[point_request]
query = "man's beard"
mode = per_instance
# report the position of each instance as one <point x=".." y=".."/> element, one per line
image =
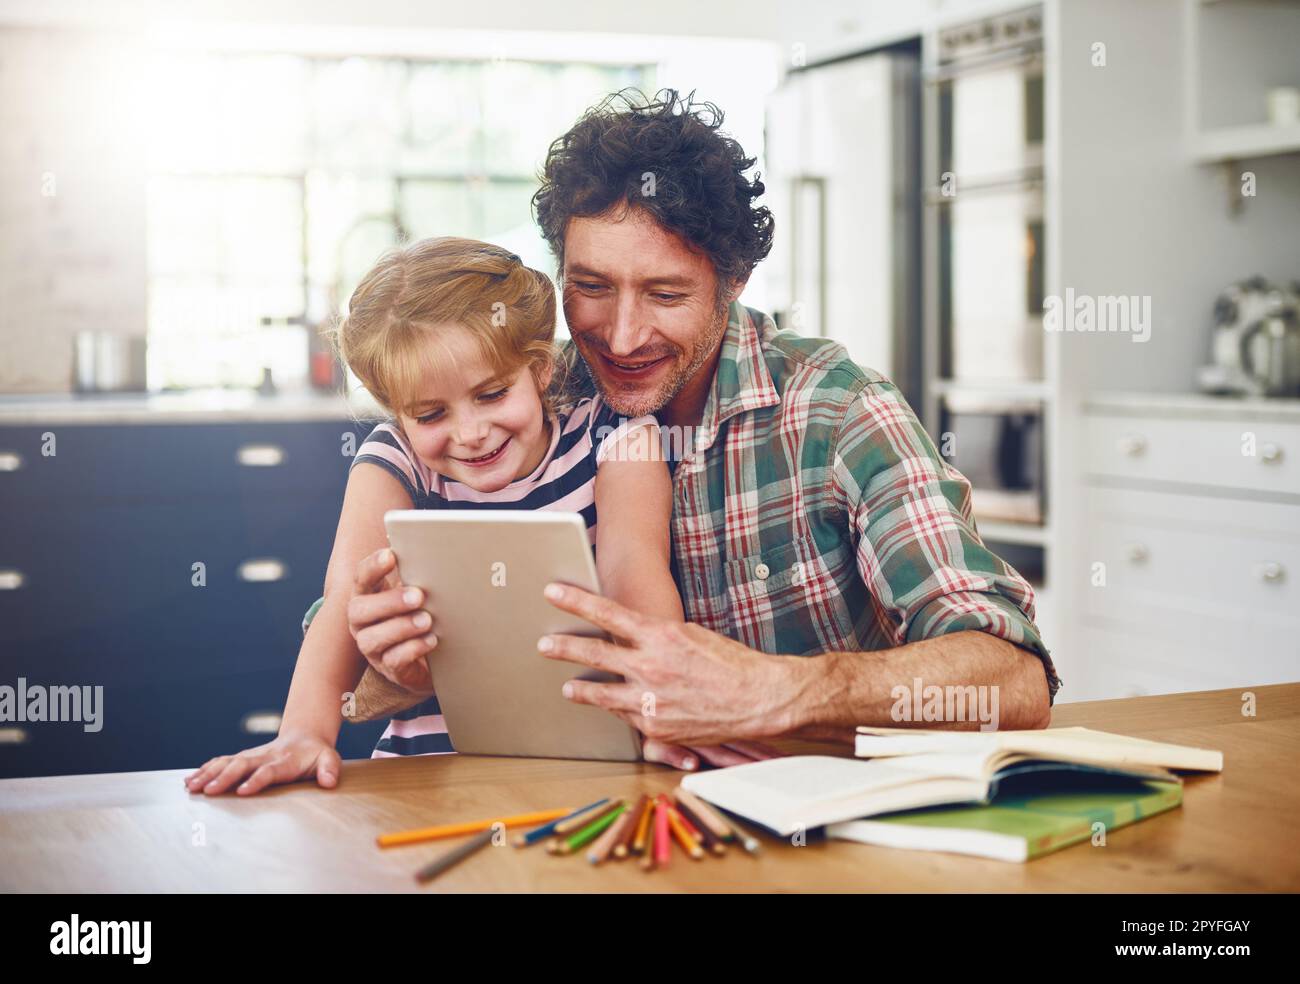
<point x="638" y="404"/>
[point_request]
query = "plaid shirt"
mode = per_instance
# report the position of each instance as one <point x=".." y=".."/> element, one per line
<point x="812" y="513"/>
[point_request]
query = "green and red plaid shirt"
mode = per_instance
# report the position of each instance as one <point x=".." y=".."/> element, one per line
<point x="812" y="513"/>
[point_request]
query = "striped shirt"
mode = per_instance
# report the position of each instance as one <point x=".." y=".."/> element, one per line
<point x="812" y="512"/>
<point x="565" y="481"/>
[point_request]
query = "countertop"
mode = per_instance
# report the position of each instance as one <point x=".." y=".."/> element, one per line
<point x="189" y="407"/>
<point x="1196" y="406"/>
<point x="139" y="831"/>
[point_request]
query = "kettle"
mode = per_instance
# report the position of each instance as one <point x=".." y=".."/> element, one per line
<point x="1256" y="341"/>
<point x="1270" y="354"/>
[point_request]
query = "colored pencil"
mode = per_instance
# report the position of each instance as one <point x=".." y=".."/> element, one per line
<point x="624" y="845"/>
<point x="544" y="831"/>
<point x="593" y="830"/>
<point x="641" y="842"/>
<point x="663" y="845"/>
<point x="711" y="840"/>
<point x="600" y="850"/>
<point x="457" y="854"/>
<point x="471" y="827"/>
<point x="705" y="812"/>
<point x="566" y="830"/>
<point x="689" y="844"/>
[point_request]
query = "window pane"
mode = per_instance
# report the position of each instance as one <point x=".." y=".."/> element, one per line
<point x="359" y="107"/>
<point x="446" y="125"/>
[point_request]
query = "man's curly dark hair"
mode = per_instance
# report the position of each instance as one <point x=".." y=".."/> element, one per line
<point x="700" y="189"/>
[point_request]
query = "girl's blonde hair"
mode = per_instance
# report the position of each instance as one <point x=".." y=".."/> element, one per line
<point x="416" y="292"/>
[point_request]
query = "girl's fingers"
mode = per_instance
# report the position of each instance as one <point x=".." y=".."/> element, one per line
<point x="278" y="770"/>
<point x="328" y="766"/>
<point x="375" y="640"/>
<point x="199" y="778"/>
<point x="236" y="769"/>
<point x="405" y="664"/>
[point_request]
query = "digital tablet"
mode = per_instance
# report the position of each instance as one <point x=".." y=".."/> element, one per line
<point x="483" y="573"/>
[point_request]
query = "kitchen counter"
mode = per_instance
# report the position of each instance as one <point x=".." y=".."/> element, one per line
<point x="1194" y="405"/>
<point x="188" y="407"/>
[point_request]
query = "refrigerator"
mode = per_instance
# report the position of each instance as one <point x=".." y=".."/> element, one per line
<point x="842" y="152"/>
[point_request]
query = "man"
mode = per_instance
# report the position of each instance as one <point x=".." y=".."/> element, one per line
<point x="812" y="515"/>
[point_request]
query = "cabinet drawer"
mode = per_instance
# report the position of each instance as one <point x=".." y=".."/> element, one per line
<point x="176" y="725"/>
<point x="157" y="462"/>
<point x="1216" y="579"/>
<point x="108" y="591"/>
<point x="1203" y="452"/>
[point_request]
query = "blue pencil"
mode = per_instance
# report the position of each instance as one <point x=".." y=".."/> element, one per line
<point x="539" y="833"/>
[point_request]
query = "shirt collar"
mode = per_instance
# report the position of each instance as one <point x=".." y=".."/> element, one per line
<point x="742" y="381"/>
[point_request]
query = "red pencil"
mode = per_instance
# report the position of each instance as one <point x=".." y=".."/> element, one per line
<point x="663" y="839"/>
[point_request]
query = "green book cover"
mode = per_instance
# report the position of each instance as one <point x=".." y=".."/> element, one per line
<point x="1019" y="824"/>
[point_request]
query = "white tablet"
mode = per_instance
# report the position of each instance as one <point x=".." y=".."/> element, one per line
<point x="483" y="572"/>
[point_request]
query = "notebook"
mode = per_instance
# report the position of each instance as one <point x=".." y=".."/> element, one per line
<point x="911" y="771"/>
<point x="1018" y="825"/>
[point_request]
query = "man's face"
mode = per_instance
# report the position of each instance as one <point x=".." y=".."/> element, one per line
<point x="641" y="306"/>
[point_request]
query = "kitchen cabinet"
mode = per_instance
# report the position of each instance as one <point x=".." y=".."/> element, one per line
<point x="1192" y="541"/>
<point x="99" y="585"/>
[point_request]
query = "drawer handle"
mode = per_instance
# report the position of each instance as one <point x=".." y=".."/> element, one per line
<point x="13" y="736"/>
<point x="260" y="455"/>
<point x="1138" y="553"/>
<point x="11" y="580"/>
<point x="261" y="723"/>
<point x="262" y="569"/>
<point x="1270" y="454"/>
<point x="1132" y="445"/>
<point x="10" y="461"/>
<point x="1272" y="572"/>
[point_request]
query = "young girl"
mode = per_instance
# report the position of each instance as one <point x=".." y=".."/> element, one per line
<point x="454" y="339"/>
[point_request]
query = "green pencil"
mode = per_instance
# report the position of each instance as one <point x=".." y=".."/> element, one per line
<point x="591" y="831"/>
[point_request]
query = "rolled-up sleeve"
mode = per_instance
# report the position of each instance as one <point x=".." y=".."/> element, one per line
<point x="918" y="550"/>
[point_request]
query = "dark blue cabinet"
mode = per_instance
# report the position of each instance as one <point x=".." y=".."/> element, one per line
<point x="98" y="551"/>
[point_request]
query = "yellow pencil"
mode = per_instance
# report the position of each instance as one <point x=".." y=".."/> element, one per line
<point x="471" y="827"/>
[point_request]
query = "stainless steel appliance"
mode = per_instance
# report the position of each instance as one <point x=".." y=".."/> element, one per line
<point x="998" y="445"/>
<point x="843" y="162"/>
<point x="984" y="198"/>
<point x="103" y="362"/>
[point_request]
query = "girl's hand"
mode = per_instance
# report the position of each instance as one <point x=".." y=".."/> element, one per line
<point x="388" y="625"/>
<point x="285" y="759"/>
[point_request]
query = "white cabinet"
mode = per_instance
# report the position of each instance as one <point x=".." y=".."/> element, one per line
<point x="1190" y="551"/>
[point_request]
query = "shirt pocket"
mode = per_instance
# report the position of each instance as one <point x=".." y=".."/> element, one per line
<point x="788" y="599"/>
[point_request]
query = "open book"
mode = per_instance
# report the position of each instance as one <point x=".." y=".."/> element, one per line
<point x="911" y="769"/>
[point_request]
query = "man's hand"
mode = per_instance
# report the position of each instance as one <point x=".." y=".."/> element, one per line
<point x="385" y="619"/>
<point x="689" y="758"/>
<point x="684" y="685"/>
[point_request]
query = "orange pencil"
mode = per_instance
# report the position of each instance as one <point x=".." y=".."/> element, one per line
<point x="471" y="827"/>
<point x="641" y="842"/>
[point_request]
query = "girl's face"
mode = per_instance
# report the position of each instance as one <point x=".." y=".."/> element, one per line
<point x="474" y="425"/>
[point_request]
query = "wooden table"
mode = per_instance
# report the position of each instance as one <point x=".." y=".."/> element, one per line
<point x="142" y="831"/>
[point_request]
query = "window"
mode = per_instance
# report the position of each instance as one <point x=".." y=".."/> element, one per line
<point x="276" y="180"/>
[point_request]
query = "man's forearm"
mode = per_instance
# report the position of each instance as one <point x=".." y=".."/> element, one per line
<point x="836" y="692"/>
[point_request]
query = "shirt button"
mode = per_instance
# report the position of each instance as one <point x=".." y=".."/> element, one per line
<point x="762" y="571"/>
